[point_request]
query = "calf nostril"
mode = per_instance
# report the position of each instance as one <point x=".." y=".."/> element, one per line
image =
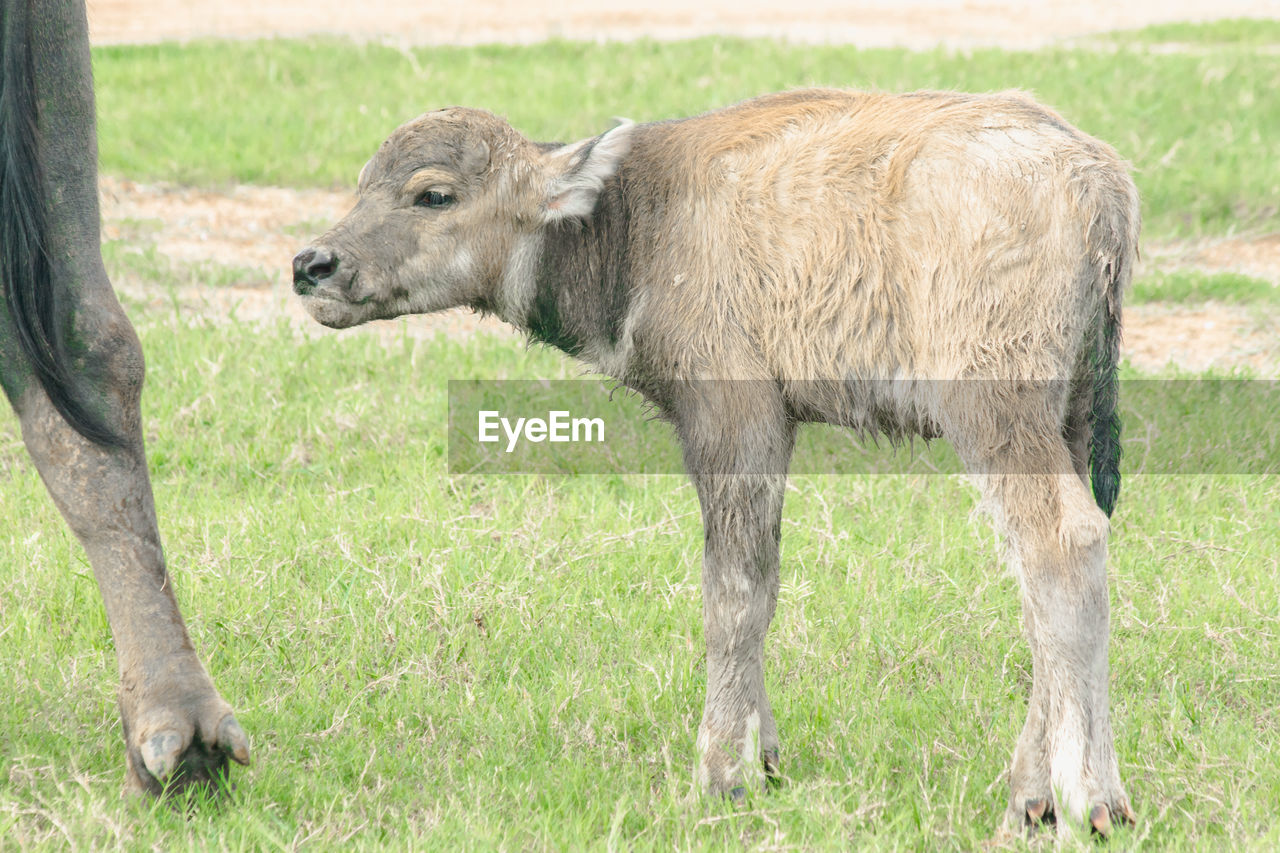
<point x="310" y="266"/>
<point x="321" y="265"/>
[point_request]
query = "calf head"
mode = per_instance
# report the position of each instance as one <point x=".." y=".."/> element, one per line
<point x="450" y="202"/>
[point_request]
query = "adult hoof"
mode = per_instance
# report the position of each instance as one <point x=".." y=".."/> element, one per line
<point x="186" y="743"/>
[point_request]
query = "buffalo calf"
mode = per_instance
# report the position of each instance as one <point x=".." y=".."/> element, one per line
<point x="931" y="264"/>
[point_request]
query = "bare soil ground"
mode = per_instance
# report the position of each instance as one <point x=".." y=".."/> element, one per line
<point x="257" y="230"/>
<point x="910" y="23"/>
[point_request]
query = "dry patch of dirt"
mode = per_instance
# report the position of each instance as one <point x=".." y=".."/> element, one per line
<point x="1256" y="256"/>
<point x="246" y="227"/>
<point x="910" y="23"/>
<point x="1201" y="337"/>
<point x="255" y="232"/>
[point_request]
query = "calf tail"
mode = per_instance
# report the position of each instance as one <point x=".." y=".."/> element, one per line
<point x="1117" y="255"/>
<point x="25" y="269"/>
<point x="1104" y="443"/>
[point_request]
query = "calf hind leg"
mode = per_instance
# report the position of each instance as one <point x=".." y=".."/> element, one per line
<point x="1056" y="538"/>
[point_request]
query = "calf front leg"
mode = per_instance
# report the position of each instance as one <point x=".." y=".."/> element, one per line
<point x="738" y="464"/>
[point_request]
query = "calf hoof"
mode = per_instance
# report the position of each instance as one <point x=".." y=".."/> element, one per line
<point x="736" y="779"/>
<point x="1103" y="819"/>
<point x="1038" y="812"/>
<point x="1027" y="816"/>
<point x="772" y="775"/>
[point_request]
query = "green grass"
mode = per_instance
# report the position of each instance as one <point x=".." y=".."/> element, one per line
<point x="1199" y="128"/>
<point x="454" y="662"/>
<point x="1192" y="286"/>
<point x="1228" y="32"/>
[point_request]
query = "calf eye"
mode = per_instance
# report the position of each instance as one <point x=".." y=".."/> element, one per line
<point x="434" y="198"/>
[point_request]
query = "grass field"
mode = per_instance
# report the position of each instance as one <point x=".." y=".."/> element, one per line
<point x="1228" y="33"/>
<point x="1192" y="123"/>
<point x="515" y="662"/>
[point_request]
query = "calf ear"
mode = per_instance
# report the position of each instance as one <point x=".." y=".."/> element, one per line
<point x="578" y="172"/>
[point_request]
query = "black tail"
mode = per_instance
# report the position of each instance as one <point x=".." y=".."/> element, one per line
<point x="25" y="270"/>
<point x="1104" y="446"/>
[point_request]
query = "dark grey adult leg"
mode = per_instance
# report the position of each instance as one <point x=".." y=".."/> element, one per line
<point x="737" y="444"/>
<point x="177" y="729"/>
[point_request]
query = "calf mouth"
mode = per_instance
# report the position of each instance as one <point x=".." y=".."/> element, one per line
<point x="330" y="310"/>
